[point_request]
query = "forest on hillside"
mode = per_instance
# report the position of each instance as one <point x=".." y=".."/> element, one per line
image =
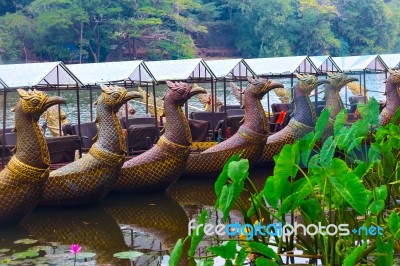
<point x="109" y="30"/>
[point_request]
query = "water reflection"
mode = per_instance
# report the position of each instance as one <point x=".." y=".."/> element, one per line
<point x="90" y="227"/>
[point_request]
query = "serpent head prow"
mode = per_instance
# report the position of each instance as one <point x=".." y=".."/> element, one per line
<point x="180" y="92"/>
<point x="35" y="102"/>
<point x="307" y="83"/>
<point x="115" y="96"/>
<point x="261" y="86"/>
<point x="338" y="80"/>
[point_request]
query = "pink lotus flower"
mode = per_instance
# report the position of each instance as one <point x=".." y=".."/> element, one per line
<point x="75" y="248"/>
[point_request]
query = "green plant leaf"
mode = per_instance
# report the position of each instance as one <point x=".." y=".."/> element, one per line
<point x="370" y="111"/>
<point x="196" y="238"/>
<point x="377" y="206"/>
<point x="265" y="262"/>
<point x="321" y="123"/>
<point x="351" y="190"/>
<point x="310" y="207"/>
<point x="26" y="241"/>
<point x="223" y="177"/>
<point x="271" y="194"/>
<point x="241" y="257"/>
<point x="25" y="254"/>
<point x="286" y="161"/>
<point x="354" y="256"/>
<point x="339" y="122"/>
<point x="327" y="151"/>
<point x="384" y="252"/>
<point x="394" y="225"/>
<point x="238" y="170"/>
<point x="381" y="192"/>
<point x="226" y="251"/>
<point x="127" y="254"/>
<point x="260" y="248"/>
<point x="176" y="253"/>
<point x="229" y="195"/>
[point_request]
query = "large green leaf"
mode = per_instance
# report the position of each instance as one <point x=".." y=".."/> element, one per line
<point x="226" y="251"/>
<point x="321" y="123"/>
<point x="339" y="122"/>
<point x="286" y="161"/>
<point x="176" y="253"/>
<point x="310" y="207"/>
<point x="384" y="252"/>
<point x="327" y="151"/>
<point x="394" y="225"/>
<point x="351" y="190"/>
<point x="381" y="192"/>
<point x="370" y="111"/>
<point x="196" y="238"/>
<point x="241" y="257"/>
<point x="377" y="206"/>
<point x="223" y="177"/>
<point x="238" y="170"/>
<point x="229" y="195"/>
<point x="274" y="188"/>
<point x="25" y="254"/>
<point x="262" y="249"/>
<point x="354" y="256"/>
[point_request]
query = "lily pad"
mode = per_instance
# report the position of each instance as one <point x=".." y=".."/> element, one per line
<point x="128" y="255"/>
<point x="85" y="255"/>
<point x="26" y="241"/>
<point x="4" y="250"/>
<point x="25" y="254"/>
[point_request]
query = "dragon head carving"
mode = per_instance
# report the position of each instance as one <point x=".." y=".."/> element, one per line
<point x="394" y="78"/>
<point x="259" y="87"/>
<point x="307" y="83"/>
<point x="115" y="96"/>
<point x="180" y="92"/>
<point x="339" y="80"/>
<point x="34" y="102"/>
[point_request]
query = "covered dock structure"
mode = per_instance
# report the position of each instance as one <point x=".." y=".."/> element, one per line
<point x="392" y="61"/>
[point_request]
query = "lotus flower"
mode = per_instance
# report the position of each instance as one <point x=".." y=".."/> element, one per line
<point x="75" y="248"/>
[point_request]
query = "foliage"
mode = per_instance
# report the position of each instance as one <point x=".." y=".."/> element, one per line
<point x="103" y="30"/>
<point x="351" y="180"/>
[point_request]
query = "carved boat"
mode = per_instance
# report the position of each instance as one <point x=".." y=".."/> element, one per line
<point x="333" y="100"/>
<point x="249" y="139"/>
<point x="302" y="122"/>
<point x="159" y="167"/>
<point x="90" y="178"/>
<point x="392" y="91"/>
<point x="22" y="180"/>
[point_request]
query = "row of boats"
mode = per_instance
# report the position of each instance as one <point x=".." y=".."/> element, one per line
<point x="26" y="181"/>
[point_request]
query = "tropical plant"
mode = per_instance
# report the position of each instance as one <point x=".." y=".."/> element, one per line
<point x="344" y="189"/>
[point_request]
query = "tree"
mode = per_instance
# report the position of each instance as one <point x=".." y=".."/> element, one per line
<point x="16" y="35"/>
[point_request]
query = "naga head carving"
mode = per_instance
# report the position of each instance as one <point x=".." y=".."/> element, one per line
<point x="34" y="102"/>
<point x="259" y="87"/>
<point x="115" y="96"/>
<point x="338" y="80"/>
<point x="394" y="78"/>
<point x="307" y="83"/>
<point x="180" y="92"/>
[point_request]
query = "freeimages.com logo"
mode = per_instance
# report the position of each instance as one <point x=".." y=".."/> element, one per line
<point x="280" y="230"/>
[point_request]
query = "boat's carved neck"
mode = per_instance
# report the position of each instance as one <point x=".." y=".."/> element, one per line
<point x="177" y="127"/>
<point x="110" y="135"/>
<point x="333" y="100"/>
<point x="392" y="97"/>
<point x="303" y="110"/>
<point x="254" y="118"/>
<point x="31" y="146"/>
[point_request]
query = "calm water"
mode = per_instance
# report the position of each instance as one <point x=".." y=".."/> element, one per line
<point x="147" y="223"/>
<point x="374" y="82"/>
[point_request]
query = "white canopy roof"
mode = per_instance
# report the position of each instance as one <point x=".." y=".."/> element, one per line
<point x="360" y="63"/>
<point x="281" y="65"/>
<point x="391" y="60"/>
<point x="325" y="63"/>
<point x="230" y="68"/>
<point x="111" y="72"/>
<point x="184" y="69"/>
<point x="50" y="74"/>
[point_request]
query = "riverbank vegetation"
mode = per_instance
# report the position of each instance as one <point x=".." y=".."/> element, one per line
<point x="104" y="30"/>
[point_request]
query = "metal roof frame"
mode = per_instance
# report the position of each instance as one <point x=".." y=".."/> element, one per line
<point x="391" y="60"/>
<point x="231" y="69"/>
<point x="325" y="63"/>
<point x="361" y="64"/>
